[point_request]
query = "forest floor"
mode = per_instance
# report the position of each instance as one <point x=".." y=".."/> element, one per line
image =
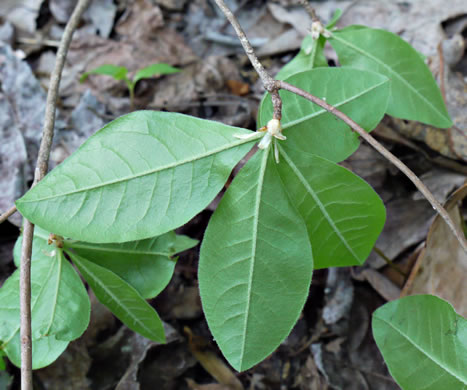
<point x="331" y="346"/>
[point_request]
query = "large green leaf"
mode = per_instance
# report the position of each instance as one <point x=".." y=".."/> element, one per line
<point x="343" y="214"/>
<point x="255" y="265"/>
<point x="45" y="350"/>
<point x="146" y="265"/>
<point x="59" y="302"/>
<point x="414" y="93"/>
<point x="424" y="343"/>
<point x="360" y="94"/>
<point x="122" y="299"/>
<point x="59" y="305"/>
<point x="140" y="176"/>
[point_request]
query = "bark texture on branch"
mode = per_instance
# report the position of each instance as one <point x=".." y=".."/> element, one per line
<point x="40" y="171"/>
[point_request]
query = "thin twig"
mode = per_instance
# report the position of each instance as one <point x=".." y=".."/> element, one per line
<point x="268" y="81"/>
<point x="309" y="9"/>
<point x="39" y="41"/>
<point x="441" y="71"/>
<point x="266" y="78"/>
<point x="386" y="153"/>
<point x="389" y="262"/>
<point x="7" y="214"/>
<point x="40" y="172"/>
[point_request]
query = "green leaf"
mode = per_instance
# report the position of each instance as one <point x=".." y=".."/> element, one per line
<point x="45" y="350"/>
<point x="414" y="92"/>
<point x="40" y="247"/>
<point x="255" y="265"/>
<point x="2" y="361"/>
<point x="310" y="56"/>
<point x="59" y="302"/>
<point x="146" y="265"/>
<point x="424" y="343"/>
<point x="335" y="18"/>
<point x="360" y="94"/>
<point x="343" y="214"/>
<point x="117" y="72"/>
<point x="142" y="175"/>
<point x="122" y="299"/>
<point x="153" y="70"/>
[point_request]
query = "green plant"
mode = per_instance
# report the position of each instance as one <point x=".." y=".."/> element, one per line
<point x="289" y="210"/>
<point x="424" y="342"/>
<point x="121" y="73"/>
<point x="122" y="276"/>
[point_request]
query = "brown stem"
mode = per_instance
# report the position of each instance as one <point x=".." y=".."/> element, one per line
<point x="386" y="153"/>
<point x="7" y="214"/>
<point x="40" y="172"/>
<point x="310" y="10"/>
<point x="389" y="262"/>
<point x="266" y="78"/>
<point x="268" y="81"/>
<point x="273" y="86"/>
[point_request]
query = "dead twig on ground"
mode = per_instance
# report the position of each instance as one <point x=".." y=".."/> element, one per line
<point x="273" y="86"/>
<point x="40" y="172"/>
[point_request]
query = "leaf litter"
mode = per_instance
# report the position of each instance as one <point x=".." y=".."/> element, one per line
<point x="333" y="336"/>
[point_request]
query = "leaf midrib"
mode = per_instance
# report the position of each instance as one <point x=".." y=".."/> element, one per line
<point x="318" y="202"/>
<point x="33" y="305"/>
<point x="60" y="260"/>
<point x="259" y="191"/>
<point x="341" y="103"/>
<point x="433" y="359"/>
<point x="116" y="250"/>
<point x="175" y="164"/>
<point x="393" y="72"/>
<point x="113" y="297"/>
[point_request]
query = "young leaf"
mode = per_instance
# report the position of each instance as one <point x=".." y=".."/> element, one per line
<point x="59" y="302"/>
<point x="414" y="93"/>
<point x="122" y="299"/>
<point x="335" y="18"/>
<point x="343" y="214"/>
<point x="153" y="70"/>
<point x="310" y="56"/>
<point x="360" y="94"/>
<point x="140" y="176"/>
<point x="146" y="265"/>
<point x="117" y="72"/>
<point x="255" y="265"/>
<point x="424" y="343"/>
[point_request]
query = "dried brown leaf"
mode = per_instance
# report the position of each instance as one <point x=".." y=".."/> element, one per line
<point x="442" y="267"/>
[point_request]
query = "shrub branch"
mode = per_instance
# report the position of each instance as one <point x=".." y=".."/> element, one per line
<point x="274" y="86"/>
<point x="39" y="173"/>
<point x="268" y="81"/>
<point x="7" y="214"/>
